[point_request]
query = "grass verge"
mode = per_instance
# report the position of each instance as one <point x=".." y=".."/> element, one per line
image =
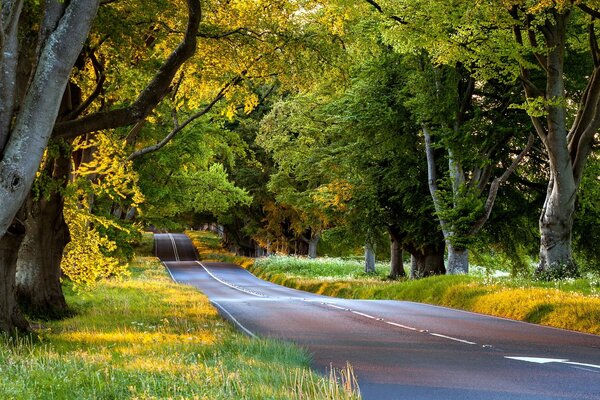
<point x="573" y="304"/>
<point x="145" y="337"/>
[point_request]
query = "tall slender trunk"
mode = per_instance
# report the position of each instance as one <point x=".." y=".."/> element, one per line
<point x="38" y="286"/>
<point x="369" y="258"/>
<point x="396" y="265"/>
<point x="11" y="319"/>
<point x="458" y="258"/>
<point x="427" y="261"/>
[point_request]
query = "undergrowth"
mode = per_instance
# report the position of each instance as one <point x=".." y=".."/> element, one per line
<point x="146" y="337"/>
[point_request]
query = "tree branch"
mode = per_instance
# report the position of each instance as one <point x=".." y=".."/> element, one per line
<point x="380" y="10"/>
<point x="149" y="97"/>
<point x="489" y="204"/>
<point x="179" y="128"/>
<point x="594" y="45"/>
<point x="589" y="11"/>
<point x="100" y="79"/>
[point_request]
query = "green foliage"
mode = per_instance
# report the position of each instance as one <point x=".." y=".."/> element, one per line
<point x="460" y="210"/>
<point x="88" y="257"/>
<point x="587" y="219"/>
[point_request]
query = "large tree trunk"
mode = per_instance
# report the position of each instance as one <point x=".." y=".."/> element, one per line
<point x="62" y="35"/>
<point x="458" y="260"/>
<point x="11" y="319"/>
<point x="39" y="290"/>
<point x="428" y="261"/>
<point x="396" y="265"/>
<point x="556" y="223"/>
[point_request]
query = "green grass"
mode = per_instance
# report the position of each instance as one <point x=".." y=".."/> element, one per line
<point x="569" y="304"/>
<point x="145" y="337"/>
<point x="573" y="304"/>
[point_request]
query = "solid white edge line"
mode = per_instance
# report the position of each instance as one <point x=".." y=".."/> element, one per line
<point x="401" y="326"/>
<point x="235" y="321"/>
<point x="451" y="338"/>
<point x="169" y="271"/>
<point x="228" y="284"/>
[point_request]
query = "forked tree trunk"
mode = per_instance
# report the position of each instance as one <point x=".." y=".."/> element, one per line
<point x="38" y="286"/>
<point x="428" y="261"/>
<point x="11" y="319"/>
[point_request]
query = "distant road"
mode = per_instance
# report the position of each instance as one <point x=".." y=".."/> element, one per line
<point x="399" y="350"/>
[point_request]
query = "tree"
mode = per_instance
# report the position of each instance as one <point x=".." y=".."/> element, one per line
<point x="28" y="110"/>
<point x="534" y="42"/>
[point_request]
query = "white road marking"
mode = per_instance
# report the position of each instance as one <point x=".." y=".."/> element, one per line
<point x="363" y="314"/>
<point x="401" y="326"/>
<point x="540" y="360"/>
<point x="174" y="247"/>
<point x="229" y="284"/>
<point x="451" y="338"/>
<point x="235" y="321"/>
<point x="238" y="288"/>
<point x="169" y="271"/>
<point x="334" y="306"/>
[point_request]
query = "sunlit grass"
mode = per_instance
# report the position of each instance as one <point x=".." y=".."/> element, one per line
<point x="571" y="304"/>
<point x="148" y="338"/>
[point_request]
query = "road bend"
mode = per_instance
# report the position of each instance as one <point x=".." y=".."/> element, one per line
<point x="399" y="350"/>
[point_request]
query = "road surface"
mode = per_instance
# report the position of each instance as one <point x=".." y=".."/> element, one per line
<point x="399" y="350"/>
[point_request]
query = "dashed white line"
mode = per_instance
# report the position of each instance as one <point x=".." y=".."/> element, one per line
<point x="451" y="338"/>
<point x="364" y="315"/>
<point x="401" y="326"/>
<point x="334" y="306"/>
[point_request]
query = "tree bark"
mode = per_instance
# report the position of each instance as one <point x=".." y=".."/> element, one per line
<point x="556" y="224"/>
<point x="458" y="260"/>
<point x="396" y="264"/>
<point x="427" y="261"/>
<point x="369" y="258"/>
<point x="38" y="287"/>
<point x="11" y="319"/>
<point x="30" y="131"/>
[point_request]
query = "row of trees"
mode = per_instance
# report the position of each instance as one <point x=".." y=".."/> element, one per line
<point x="440" y="108"/>
<point x="422" y="121"/>
<point x="90" y="90"/>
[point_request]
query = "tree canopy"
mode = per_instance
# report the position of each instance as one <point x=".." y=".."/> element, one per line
<point x="437" y="127"/>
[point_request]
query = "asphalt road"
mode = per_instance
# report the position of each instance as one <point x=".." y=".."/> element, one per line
<point x="399" y="350"/>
